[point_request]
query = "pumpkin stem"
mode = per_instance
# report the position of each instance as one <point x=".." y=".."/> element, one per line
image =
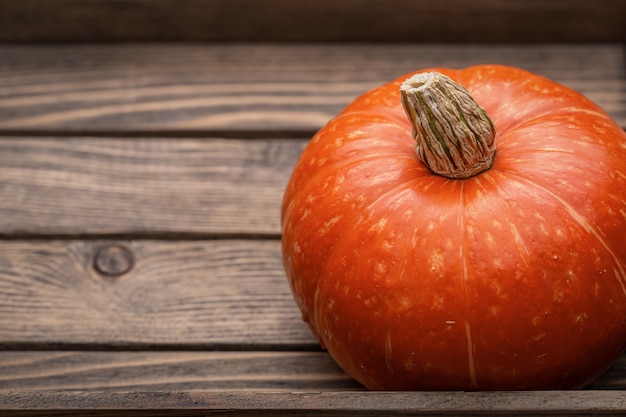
<point x="455" y="136"/>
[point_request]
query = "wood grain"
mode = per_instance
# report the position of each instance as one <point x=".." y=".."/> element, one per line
<point x="553" y="403"/>
<point x="142" y="371"/>
<point x="171" y="371"/>
<point x="140" y="187"/>
<point x="143" y="187"/>
<point x="251" y="89"/>
<point x="313" y="20"/>
<point x="209" y="295"/>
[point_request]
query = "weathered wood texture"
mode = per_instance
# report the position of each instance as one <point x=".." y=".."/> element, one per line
<point x="124" y="371"/>
<point x="246" y="89"/>
<point x="552" y="403"/>
<point x="140" y="191"/>
<point x="143" y="187"/>
<point x="195" y="295"/>
<point x="313" y="20"/>
<point x="99" y="186"/>
<point x="171" y="371"/>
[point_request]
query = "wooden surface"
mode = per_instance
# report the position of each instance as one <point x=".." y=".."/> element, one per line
<point x="246" y="89"/>
<point x="314" y="20"/>
<point x="140" y="186"/>
<point x="334" y="404"/>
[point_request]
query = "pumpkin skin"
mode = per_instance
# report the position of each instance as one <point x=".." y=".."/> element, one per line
<point x="513" y="279"/>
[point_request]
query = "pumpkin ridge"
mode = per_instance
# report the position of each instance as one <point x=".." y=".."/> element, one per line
<point x="585" y="224"/>
<point x="358" y="159"/>
<point x="312" y="180"/>
<point x="537" y="120"/>
<point x="468" y="330"/>
<point x="391" y="114"/>
<point x="394" y="192"/>
<point x="556" y="111"/>
<point x="397" y="193"/>
<point x="316" y="146"/>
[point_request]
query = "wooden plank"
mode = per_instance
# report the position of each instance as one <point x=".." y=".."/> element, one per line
<point x="143" y="187"/>
<point x="250" y="88"/>
<point x="143" y="371"/>
<point x="171" y="371"/>
<point x="313" y="20"/>
<point x="553" y="403"/>
<point x="225" y="294"/>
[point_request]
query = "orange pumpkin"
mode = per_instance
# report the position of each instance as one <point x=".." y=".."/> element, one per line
<point x="493" y="258"/>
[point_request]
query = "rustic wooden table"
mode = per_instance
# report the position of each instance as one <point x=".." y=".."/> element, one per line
<point x="140" y="186"/>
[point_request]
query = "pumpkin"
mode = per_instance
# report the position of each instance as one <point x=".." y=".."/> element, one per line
<point x="463" y="230"/>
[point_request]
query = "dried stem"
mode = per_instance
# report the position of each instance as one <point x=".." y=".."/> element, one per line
<point x="455" y="136"/>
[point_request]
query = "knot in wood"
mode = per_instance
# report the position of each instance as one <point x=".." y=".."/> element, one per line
<point x="113" y="260"/>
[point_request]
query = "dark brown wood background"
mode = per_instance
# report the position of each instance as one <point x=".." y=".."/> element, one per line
<point x="144" y="149"/>
<point x="314" y="20"/>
